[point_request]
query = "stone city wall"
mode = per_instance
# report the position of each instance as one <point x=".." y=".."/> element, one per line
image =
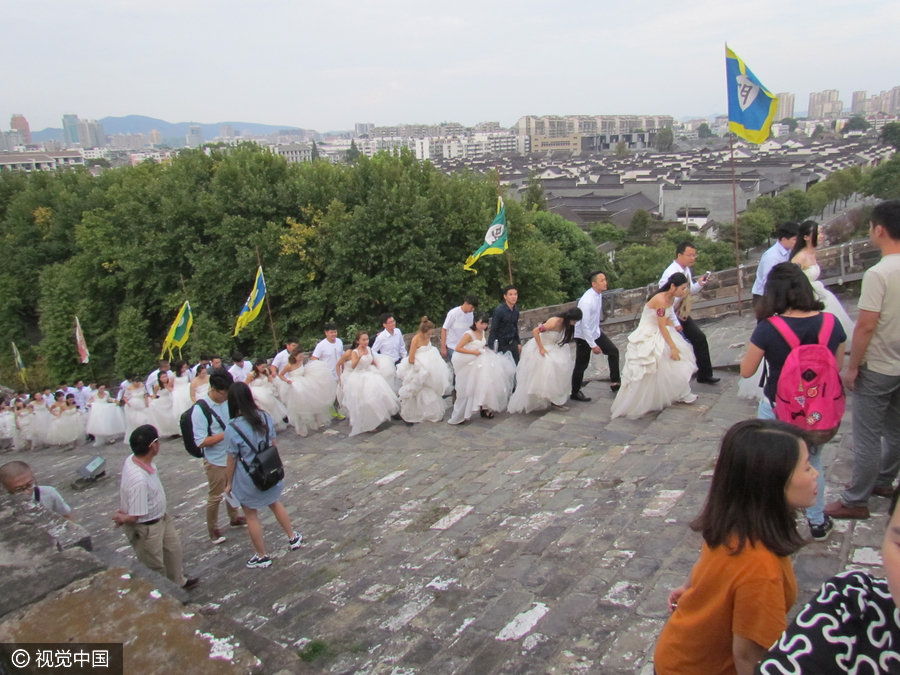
<point x="841" y="265"/>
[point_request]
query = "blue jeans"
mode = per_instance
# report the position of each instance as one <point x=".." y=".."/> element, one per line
<point x="816" y="513"/>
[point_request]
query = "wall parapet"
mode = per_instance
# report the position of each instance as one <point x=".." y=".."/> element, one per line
<point x="622" y="308"/>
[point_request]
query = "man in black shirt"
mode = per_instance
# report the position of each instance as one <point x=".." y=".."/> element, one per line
<point x="504" y="335"/>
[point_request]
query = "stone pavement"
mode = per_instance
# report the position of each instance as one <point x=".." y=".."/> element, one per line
<point x="543" y="543"/>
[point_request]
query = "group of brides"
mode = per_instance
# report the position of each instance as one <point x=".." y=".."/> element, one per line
<point x="53" y="420"/>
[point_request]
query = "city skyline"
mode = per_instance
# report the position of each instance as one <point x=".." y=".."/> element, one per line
<point x="328" y="67"/>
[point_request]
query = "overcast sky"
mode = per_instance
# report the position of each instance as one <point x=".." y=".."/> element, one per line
<point x="328" y="64"/>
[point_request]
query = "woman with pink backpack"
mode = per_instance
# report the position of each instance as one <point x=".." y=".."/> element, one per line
<point x="804" y="351"/>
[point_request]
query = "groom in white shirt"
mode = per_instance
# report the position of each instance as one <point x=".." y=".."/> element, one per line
<point x="685" y="254"/>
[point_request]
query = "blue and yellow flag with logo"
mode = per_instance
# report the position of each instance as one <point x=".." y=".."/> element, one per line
<point x="751" y="107"/>
<point x="254" y="303"/>
<point x="494" y="241"/>
<point x="180" y="330"/>
<point x="20" y="364"/>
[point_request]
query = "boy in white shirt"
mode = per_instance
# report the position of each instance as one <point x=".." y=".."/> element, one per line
<point x="329" y="351"/>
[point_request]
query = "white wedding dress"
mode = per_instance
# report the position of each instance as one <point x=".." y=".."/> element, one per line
<point x="308" y="396"/>
<point x="267" y="399"/>
<point x="651" y="380"/>
<point x="482" y="382"/>
<point x="424" y="385"/>
<point x="105" y="417"/>
<point x="368" y="397"/>
<point x="832" y="304"/>
<point x="542" y="380"/>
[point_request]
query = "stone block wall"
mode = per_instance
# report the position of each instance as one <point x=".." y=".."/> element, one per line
<point x="622" y="308"/>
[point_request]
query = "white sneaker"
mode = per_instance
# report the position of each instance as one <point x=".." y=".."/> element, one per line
<point x="690" y="398"/>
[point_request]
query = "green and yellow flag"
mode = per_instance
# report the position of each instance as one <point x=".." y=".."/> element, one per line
<point x="180" y="330"/>
<point x="494" y="241"/>
<point x="20" y="364"/>
<point x="254" y="303"/>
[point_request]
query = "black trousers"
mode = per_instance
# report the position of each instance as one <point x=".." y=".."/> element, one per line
<point x="511" y="346"/>
<point x="697" y="338"/>
<point x="583" y="359"/>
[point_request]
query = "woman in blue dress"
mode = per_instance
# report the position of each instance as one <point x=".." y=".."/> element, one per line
<point x="258" y="427"/>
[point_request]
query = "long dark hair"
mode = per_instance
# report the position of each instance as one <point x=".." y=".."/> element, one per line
<point x="807" y="227"/>
<point x="787" y="287"/>
<point x="570" y="317"/>
<point x="747" y="498"/>
<point x="241" y="404"/>
<point x="677" y="279"/>
<point x="484" y="317"/>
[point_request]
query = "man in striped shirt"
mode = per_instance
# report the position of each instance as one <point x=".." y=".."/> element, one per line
<point x="142" y="510"/>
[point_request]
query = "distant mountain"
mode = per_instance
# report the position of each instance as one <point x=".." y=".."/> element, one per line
<point x="139" y="124"/>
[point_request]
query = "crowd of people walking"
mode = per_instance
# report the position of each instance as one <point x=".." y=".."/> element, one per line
<point x="730" y="615"/>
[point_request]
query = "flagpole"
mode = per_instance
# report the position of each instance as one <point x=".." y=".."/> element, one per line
<point x="268" y="303"/>
<point x="737" y="247"/>
<point x="508" y="258"/>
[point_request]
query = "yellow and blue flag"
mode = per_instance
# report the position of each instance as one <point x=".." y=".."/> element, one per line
<point x="254" y="303"/>
<point x="180" y="330"/>
<point x="20" y="364"/>
<point x="751" y="107"/>
<point x="495" y="241"/>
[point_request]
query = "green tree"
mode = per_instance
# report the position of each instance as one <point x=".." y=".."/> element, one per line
<point x="579" y="254"/>
<point x="314" y="153"/>
<point x="703" y="131"/>
<point x="791" y="123"/>
<point x="604" y="232"/>
<point x="890" y="134"/>
<point x="133" y="355"/>
<point x="856" y="123"/>
<point x="754" y="228"/>
<point x="622" y="149"/>
<point x="642" y="265"/>
<point x="819" y="132"/>
<point x="665" y="139"/>
<point x="353" y="153"/>
<point x="534" y="199"/>
<point x="639" y="229"/>
<point x="884" y="181"/>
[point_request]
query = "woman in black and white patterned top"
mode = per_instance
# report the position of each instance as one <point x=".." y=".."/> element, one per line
<point x="851" y="626"/>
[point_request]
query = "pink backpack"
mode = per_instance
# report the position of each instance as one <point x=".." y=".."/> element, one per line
<point x="810" y="394"/>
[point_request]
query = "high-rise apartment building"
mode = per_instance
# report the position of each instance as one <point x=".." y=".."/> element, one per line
<point x="227" y="132"/>
<point x="785" y="106"/>
<point x="20" y="124"/>
<point x="70" y="130"/>
<point x="553" y="126"/>
<point x="858" y="106"/>
<point x="363" y="128"/>
<point x="90" y="134"/>
<point x="155" y="137"/>
<point x="194" y="138"/>
<point x="825" y="104"/>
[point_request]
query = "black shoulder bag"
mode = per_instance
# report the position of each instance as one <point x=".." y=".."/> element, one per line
<point x="265" y="469"/>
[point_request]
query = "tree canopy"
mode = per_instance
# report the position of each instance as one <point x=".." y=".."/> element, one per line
<point x="338" y="242"/>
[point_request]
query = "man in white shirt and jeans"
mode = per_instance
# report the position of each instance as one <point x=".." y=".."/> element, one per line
<point x="142" y="510"/>
<point x="458" y="321"/>
<point x="685" y="254"/>
<point x="590" y="339"/>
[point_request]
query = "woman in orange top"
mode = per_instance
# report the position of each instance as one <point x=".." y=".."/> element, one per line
<point x="734" y="605"/>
